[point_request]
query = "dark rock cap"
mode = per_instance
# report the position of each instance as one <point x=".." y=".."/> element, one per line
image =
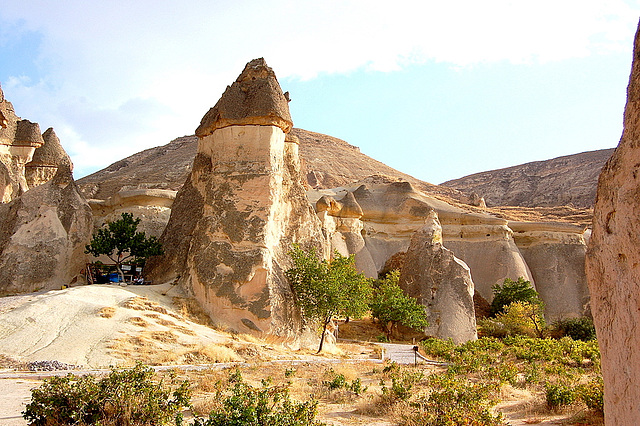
<point x="28" y="134"/>
<point x="51" y="153"/>
<point x="254" y="98"/>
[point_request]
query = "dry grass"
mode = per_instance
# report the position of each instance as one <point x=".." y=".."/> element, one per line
<point x="107" y="312"/>
<point x="9" y="362"/>
<point x="140" y="303"/>
<point x="138" y="321"/>
<point x="190" y="309"/>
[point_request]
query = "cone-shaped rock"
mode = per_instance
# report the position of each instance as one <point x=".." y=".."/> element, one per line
<point x="243" y="206"/>
<point x="46" y="159"/>
<point x="254" y="98"/>
<point x="43" y="234"/>
<point x="613" y="270"/>
<point x="441" y="282"/>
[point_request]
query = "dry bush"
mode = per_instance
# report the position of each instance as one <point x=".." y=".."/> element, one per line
<point x="107" y="312"/>
<point x="165" y="336"/>
<point x="140" y="303"/>
<point x="9" y="362"/>
<point x="211" y="354"/>
<point x="138" y="321"/>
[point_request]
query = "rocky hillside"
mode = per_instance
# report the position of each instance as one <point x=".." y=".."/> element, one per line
<point x="328" y="163"/>
<point x="568" y="180"/>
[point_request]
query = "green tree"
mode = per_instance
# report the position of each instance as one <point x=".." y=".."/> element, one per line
<point x="120" y="240"/>
<point x="513" y="291"/>
<point x="391" y="306"/>
<point x="327" y="289"/>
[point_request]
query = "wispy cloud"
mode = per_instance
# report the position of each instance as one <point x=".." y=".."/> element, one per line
<point x="116" y="77"/>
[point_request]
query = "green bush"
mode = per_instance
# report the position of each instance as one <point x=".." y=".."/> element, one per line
<point x="577" y="328"/>
<point x="242" y="404"/>
<point x="402" y="382"/>
<point x="338" y="381"/>
<point x="456" y="401"/>
<point x="124" y="397"/>
<point x="592" y="394"/>
<point x="513" y="291"/>
<point x="559" y="395"/>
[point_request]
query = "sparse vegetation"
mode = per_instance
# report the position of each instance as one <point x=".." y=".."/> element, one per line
<point x="513" y="291"/>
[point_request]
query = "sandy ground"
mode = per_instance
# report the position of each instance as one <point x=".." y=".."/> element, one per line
<point x="90" y="326"/>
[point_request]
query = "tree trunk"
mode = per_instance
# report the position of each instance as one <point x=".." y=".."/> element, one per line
<point x="120" y="273"/>
<point x="324" y="330"/>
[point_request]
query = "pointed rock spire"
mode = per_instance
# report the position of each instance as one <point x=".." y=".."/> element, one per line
<point x="255" y="98"/>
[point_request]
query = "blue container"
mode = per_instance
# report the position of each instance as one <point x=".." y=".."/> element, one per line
<point x="114" y="278"/>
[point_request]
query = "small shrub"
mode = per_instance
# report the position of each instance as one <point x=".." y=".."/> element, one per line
<point x="592" y="394"/>
<point x="267" y="405"/>
<point x="577" y="328"/>
<point x="456" y="401"/>
<point x="402" y="382"/>
<point x="128" y="397"/>
<point x="339" y="381"/>
<point x="559" y="395"/>
<point x="513" y="291"/>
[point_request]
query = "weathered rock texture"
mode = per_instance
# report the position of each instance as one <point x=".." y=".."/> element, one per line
<point x="571" y="179"/>
<point x="393" y="211"/>
<point x="18" y="141"/>
<point x="441" y="282"/>
<point x="152" y="206"/>
<point x="43" y="233"/>
<point x="46" y="159"/>
<point x="613" y="261"/>
<point x="555" y="254"/>
<point x="240" y="210"/>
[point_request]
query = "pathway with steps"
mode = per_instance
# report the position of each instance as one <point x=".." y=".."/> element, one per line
<point x="405" y="354"/>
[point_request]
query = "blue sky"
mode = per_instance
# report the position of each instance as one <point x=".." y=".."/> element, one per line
<point x="438" y="90"/>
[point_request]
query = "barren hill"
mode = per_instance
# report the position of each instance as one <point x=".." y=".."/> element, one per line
<point x="568" y="180"/>
<point x="328" y="163"/>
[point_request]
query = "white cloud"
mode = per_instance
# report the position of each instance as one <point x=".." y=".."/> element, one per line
<point x="121" y="76"/>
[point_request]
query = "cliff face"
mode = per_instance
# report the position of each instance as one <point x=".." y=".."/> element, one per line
<point x="612" y="265"/>
<point x="568" y="180"/>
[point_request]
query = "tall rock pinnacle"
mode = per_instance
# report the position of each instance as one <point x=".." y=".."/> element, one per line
<point x="236" y="217"/>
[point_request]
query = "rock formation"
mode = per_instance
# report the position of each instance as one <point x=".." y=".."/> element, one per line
<point x="46" y="159"/>
<point x="43" y="233"/>
<point x="18" y="141"/>
<point x="555" y="254"/>
<point x="441" y="282"/>
<point x="612" y="265"/>
<point x="391" y="213"/>
<point x="152" y="206"/>
<point x="240" y="210"/>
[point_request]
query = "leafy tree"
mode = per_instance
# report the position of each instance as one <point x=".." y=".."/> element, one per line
<point x="513" y="291"/>
<point x="120" y="241"/>
<point x="327" y="289"/>
<point x="391" y="306"/>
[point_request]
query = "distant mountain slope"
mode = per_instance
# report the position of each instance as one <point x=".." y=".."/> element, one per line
<point x="328" y="163"/>
<point x="568" y="180"/>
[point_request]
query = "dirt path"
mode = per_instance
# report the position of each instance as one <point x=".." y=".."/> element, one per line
<point x="16" y="394"/>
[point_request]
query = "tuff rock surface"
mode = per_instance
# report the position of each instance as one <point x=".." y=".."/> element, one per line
<point x="240" y="210"/>
<point x="613" y="260"/>
<point x="43" y="234"/>
<point x="46" y="159"/>
<point x="441" y="282"/>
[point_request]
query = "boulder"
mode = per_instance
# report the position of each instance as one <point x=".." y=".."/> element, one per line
<point x="612" y="265"/>
<point x="441" y="282"/>
<point x="43" y="234"/>
<point x="240" y="211"/>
